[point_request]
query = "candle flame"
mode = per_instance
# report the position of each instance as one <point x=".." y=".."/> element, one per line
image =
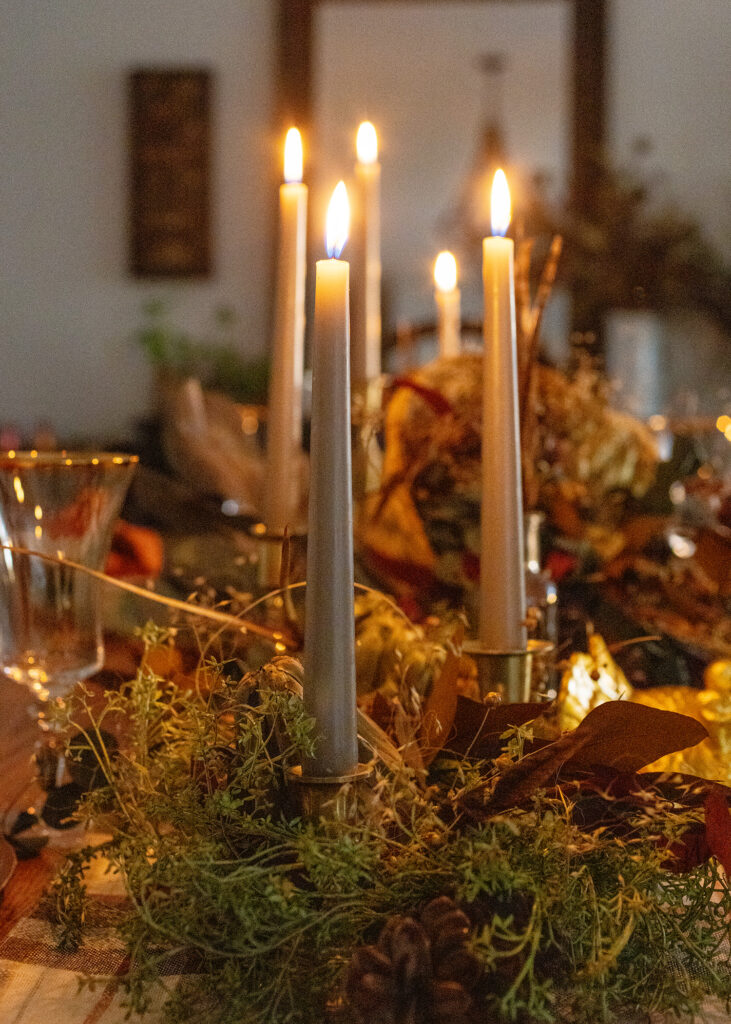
<point x="338" y="221"/>
<point x="500" y="206"/>
<point x="445" y="272"/>
<point x="293" y="156"/>
<point x="366" y="143"/>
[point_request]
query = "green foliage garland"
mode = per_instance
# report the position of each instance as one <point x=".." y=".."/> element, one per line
<point x="261" y="911"/>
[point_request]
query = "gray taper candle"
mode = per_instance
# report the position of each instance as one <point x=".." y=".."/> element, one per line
<point x="329" y="690"/>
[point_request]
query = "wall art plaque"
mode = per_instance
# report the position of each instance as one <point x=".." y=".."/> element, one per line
<point x="170" y="172"/>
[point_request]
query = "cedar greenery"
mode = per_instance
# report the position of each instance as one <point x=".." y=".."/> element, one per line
<point x="262" y="911"/>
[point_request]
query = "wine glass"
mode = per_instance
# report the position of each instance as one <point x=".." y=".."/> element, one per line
<point x="56" y="508"/>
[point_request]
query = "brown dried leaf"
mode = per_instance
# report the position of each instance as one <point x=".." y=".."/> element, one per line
<point x="627" y="736"/>
<point x="718" y="826"/>
<point x="407" y="737"/>
<point x="378" y="741"/>
<point x="712" y="837"/>
<point x="713" y="555"/>
<point x="689" y="851"/>
<point x="616" y="735"/>
<point x="517" y="784"/>
<point x="478" y="727"/>
<point x="689" y="790"/>
<point x="440" y="706"/>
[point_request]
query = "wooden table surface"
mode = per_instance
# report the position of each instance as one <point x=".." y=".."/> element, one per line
<point x="17" y="735"/>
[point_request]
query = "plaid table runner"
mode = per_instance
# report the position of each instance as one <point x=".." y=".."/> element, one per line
<point x="41" y="985"/>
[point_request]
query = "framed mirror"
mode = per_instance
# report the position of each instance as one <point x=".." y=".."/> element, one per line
<point x="297" y="41"/>
<point x="431" y="76"/>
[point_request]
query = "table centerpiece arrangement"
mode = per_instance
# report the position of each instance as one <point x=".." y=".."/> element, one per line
<point x="424" y="850"/>
<point x="427" y="845"/>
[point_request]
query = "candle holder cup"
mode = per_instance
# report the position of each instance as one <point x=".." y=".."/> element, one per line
<point x="515" y="675"/>
<point x="330" y="798"/>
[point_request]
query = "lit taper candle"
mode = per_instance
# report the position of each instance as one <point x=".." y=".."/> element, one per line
<point x="447" y="298"/>
<point x="502" y="579"/>
<point x="329" y="690"/>
<point x="366" y="342"/>
<point x="284" y="415"/>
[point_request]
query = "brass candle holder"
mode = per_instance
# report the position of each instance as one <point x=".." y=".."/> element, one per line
<point x="332" y="798"/>
<point x="508" y="673"/>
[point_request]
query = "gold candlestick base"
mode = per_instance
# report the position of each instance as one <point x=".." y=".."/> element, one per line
<point x="508" y="673"/>
<point x="329" y="797"/>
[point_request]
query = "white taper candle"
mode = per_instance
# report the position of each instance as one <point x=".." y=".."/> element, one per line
<point x="284" y="413"/>
<point x="448" y="302"/>
<point x="366" y="339"/>
<point x="502" y="573"/>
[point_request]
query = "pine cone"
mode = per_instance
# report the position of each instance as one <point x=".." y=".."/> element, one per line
<point x="420" y="972"/>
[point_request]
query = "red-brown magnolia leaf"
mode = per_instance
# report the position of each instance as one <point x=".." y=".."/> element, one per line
<point x="718" y="826"/>
<point x="478" y="727"/>
<point x="627" y="736"/>
<point x="519" y="782"/>
<point x="608" y="799"/>
<point x="441" y="705"/>
<point x="617" y="735"/>
<point x="686" y="790"/>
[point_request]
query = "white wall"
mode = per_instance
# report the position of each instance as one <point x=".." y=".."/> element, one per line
<point x="68" y="307"/>
<point x="670" y="80"/>
<point x="413" y="70"/>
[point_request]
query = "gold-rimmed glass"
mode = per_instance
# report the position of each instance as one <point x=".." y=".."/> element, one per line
<point x="61" y="505"/>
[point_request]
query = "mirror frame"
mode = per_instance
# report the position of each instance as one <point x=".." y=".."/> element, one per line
<point x="296" y="36"/>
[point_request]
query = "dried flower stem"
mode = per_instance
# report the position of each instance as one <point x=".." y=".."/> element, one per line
<point x="232" y="621"/>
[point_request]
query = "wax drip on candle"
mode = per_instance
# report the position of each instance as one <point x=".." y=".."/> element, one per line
<point x="338" y="221"/>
